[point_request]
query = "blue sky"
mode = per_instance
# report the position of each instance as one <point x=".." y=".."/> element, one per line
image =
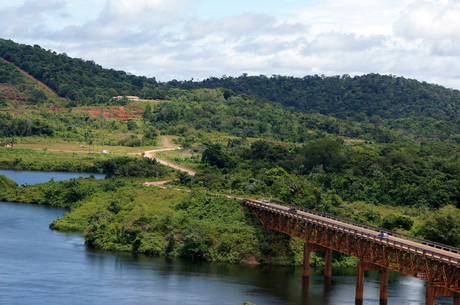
<point x="184" y="39"/>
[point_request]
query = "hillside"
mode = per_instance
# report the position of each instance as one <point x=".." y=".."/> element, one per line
<point x="76" y="79"/>
<point x="377" y="149"/>
<point x="371" y="107"/>
<point x="370" y="97"/>
<point x="17" y="85"/>
<point x="374" y="96"/>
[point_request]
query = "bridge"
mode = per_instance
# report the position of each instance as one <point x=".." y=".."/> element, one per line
<point x="434" y="263"/>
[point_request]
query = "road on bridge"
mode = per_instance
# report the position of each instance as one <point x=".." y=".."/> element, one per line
<point x="348" y="228"/>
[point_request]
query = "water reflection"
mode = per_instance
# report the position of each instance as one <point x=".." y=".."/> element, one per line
<point x="340" y="289"/>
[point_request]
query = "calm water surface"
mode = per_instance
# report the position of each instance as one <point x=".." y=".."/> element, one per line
<point x="41" y="266"/>
<point x="32" y="177"/>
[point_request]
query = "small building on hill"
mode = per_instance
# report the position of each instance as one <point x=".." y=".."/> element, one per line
<point x="131" y="98"/>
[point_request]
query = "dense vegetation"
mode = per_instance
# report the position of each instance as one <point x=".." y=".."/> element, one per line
<point x="383" y="96"/>
<point x="118" y="215"/>
<point x="421" y="180"/>
<point x="206" y="110"/>
<point x="399" y="174"/>
<point x="7" y="183"/>
<point x="73" y="126"/>
<point x="112" y="166"/>
<point x="372" y="107"/>
<point x="369" y="98"/>
<point x="378" y="149"/>
<point x="79" y="80"/>
<point x="15" y="85"/>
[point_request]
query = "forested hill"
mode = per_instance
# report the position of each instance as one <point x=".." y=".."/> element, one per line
<point x="369" y="95"/>
<point x="79" y="80"/>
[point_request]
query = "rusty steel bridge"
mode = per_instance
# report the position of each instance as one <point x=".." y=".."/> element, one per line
<point x="434" y="263"/>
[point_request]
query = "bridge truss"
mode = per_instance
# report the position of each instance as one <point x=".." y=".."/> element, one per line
<point x="441" y="269"/>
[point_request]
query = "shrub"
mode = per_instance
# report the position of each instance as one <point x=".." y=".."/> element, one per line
<point x="395" y="221"/>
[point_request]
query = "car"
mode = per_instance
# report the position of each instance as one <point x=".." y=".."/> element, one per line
<point x="292" y="210"/>
<point x="146" y="183"/>
<point x="266" y="202"/>
<point x="383" y="235"/>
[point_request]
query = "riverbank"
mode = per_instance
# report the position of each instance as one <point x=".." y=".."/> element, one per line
<point x="30" y="159"/>
<point x="85" y="275"/>
<point x="125" y="215"/>
<point x="119" y="215"/>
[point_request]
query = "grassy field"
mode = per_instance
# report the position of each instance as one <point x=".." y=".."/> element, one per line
<point x="188" y="160"/>
<point x="59" y="145"/>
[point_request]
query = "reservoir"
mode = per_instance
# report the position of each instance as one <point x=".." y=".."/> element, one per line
<point x="42" y="266"/>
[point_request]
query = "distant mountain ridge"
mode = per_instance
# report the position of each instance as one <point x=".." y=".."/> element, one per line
<point x="369" y="97"/>
<point x="385" y="96"/>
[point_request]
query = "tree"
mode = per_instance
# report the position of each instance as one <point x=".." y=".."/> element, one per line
<point x="274" y="174"/>
<point x="147" y="115"/>
<point x="442" y="226"/>
<point x="132" y="125"/>
<point x="323" y="152"/>
<point x="394" y="221"/>
<point x="214" y="155"/>
<point x="13" y="141"/>
<point x="109" y="168"/>
<point x="228" y="93"/>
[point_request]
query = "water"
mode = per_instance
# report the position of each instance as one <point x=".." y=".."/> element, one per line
<point x="32" y="177"/>
<point x="41" y="266"/>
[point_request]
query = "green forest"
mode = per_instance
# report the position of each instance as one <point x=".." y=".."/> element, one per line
<point x="379" y="149"/>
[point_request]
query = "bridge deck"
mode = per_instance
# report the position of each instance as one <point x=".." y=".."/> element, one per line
<point x="404" y="244"/>
<point x="433" y="262"/>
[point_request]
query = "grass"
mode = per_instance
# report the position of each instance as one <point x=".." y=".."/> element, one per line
<point x="27" y="159"/>
<point x="184" y="159"/>
<point x="59" y="145"/>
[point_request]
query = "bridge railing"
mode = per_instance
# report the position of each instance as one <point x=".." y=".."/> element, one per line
<point x="357" y="233"/>
<point x="373" y="228"/>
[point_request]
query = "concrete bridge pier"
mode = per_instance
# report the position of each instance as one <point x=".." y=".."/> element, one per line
<point x="363" y="266"/>
<point x="433" y="291"/>
<point x="308" y="248"/>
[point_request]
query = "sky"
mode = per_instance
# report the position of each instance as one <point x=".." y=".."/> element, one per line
<point x="197" y="39"/>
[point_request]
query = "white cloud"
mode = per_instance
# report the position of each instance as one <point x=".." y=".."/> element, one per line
<point x="145" y="12"/>
<point x="175" y="39"/>
<point x="248" y="24"/>
<point x="28" y="19"/>
<point x="339" y="42"/>
<point x="428" y="20"/>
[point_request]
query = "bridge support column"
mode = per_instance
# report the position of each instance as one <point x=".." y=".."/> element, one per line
<point x="432" y="292"/>
<point x="360" y="268"/>
<point x="328" y="263"/>
<point x="306" y="260"/>
<point x="359" y="281"/>
<point x="383" y="285"/>
<point x="310" y="247"/>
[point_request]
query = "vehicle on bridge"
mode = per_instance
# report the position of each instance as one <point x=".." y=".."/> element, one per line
<point x="266" y="202"/>
<point x="383" y="235"/>
<point x="292" y="210"/>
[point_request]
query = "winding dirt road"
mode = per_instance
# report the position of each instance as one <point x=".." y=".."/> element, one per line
<point x="167" y="145"/>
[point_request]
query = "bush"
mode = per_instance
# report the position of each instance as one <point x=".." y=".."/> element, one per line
<point x="7" y="183"/>
<point x="442" y="226"/>
<point x="394" y="221"/>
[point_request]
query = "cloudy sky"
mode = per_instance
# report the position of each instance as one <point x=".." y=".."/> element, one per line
<point x="184" y="39"/>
